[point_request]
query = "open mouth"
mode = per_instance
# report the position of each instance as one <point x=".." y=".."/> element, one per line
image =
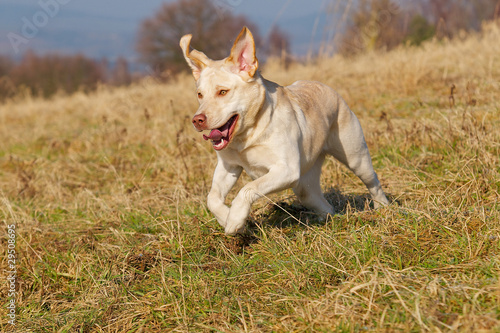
<point x="221" y="136"/>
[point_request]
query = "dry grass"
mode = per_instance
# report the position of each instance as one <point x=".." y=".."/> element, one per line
<point x="113" y="235"/>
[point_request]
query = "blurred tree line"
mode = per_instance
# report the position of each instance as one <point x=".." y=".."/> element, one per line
<point x="385" y="24"/>
<point x="46" y="75"/>
<point x="365" y="25"/>
<point x="214" y="29"/>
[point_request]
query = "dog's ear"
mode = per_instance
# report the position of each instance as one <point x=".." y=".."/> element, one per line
<point x="196" y="60"/>
<point x="242" y="56"/>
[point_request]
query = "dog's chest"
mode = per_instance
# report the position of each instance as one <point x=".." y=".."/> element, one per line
<point x="255" y="171"/>
<point x="256" y="162"/>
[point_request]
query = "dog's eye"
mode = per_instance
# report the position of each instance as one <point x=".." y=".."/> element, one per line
<point x="200" y="95"/>
<point x="223" y="92"/>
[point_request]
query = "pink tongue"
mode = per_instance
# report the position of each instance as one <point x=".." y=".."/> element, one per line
<point x="216" y="135"/>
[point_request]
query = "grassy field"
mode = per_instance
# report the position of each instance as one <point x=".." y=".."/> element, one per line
<point x="108" y="195"/>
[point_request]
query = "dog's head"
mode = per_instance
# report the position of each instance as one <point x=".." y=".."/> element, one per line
<point x="226" y="88"/>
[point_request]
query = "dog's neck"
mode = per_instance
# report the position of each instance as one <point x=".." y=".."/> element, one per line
<point x="259" y="114"/>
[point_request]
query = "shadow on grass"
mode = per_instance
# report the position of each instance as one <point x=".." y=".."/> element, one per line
<point x="286" y="215"/>
<point x="294" y="217"/>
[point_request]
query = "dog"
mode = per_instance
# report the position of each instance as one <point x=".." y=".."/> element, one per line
<point x="278" y="135"/>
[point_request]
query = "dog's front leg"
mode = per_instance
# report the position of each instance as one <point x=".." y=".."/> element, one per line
<point x="278" y="178"/>
<point x="225" y="176"/>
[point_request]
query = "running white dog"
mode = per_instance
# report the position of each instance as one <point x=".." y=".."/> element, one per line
<point x="278" y="135"/>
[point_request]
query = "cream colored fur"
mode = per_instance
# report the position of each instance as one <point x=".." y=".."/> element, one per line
<point x="281" y="136"/>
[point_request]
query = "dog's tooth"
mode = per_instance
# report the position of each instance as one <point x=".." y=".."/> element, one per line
<point x="220" y="144"/>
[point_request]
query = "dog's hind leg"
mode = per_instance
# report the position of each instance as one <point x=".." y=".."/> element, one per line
<point x="308" y="190"/>
<point x="347" y="144"/>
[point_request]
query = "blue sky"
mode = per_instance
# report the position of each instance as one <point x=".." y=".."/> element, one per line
<point x="108" y="28"/>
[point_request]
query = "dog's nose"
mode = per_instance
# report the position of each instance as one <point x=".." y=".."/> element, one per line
<point x="199" y="121"/>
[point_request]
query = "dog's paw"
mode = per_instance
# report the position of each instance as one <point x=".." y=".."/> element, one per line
<point x="382" y="202"/>
<point x="235" y="228"/>
<point x="222" y="222"/>
<point x="323" y="217"/>
<point x="237" y="217"/>
<point x="221" y="215"/>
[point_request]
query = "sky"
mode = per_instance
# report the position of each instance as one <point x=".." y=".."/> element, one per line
<point x="108" y="28"/>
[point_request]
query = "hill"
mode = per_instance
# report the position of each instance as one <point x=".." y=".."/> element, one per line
<point x="107" y="192"/>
